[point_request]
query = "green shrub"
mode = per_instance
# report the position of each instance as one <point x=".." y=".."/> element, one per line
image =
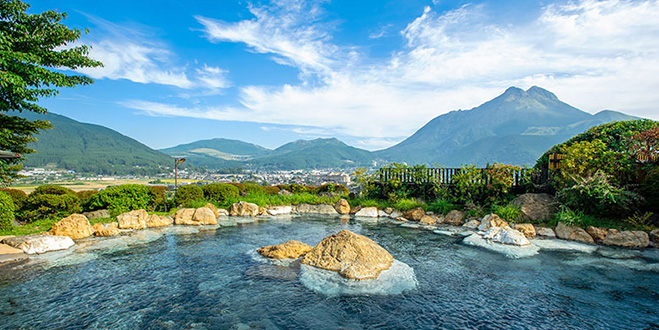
<point x="252" y="188"/>
<point x="160" y="202"/>
<point x="510" y="213"/>
<point x="49" y="206"/>
<point x="407" y="204"/>
<point x="333" y="189"/>
<point x="597" y="196"/>
<point x="641" y="221"/>
<point x="298" y="188"/>
<point x="441" y="206"/>
<point x="85" y="195"/>
<point x="650" y="190"/>
<point x="187" y="194"/>
<point x="240" y="186"/>
<point x="6" y="211"/>
<point x="220" y="192"/>
<point x="19" y="197"/>
<point x="123" y="198"/>
<point x="271" y="190"/>
<point x="50" y="189"/>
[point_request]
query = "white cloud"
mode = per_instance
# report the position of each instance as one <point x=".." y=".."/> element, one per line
<point x="593" y="54"/>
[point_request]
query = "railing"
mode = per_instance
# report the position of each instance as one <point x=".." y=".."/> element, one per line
<point x="443" y="176"/>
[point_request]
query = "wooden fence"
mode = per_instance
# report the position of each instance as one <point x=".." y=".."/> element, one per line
<point x="443" y="176"/>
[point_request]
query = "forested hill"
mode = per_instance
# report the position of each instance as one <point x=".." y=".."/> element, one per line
<point x="89" y="148"/>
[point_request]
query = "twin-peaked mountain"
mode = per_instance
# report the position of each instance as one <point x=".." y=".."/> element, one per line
<point x="514" y="128"/>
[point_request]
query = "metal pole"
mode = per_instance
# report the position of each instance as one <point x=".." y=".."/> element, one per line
<point x="175" y="174"/>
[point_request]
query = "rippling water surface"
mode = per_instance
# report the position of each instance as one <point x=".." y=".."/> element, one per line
<point x="179" y="279"/>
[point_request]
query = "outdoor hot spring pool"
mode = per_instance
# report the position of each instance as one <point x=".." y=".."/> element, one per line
<point x="211" y="278"/>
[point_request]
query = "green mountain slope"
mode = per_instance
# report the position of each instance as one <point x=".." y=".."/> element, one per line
<point x="89" y="148"/>
<point x="318" y="153"/>
<point x="515" y="127"/>
<point x="217" y="153"/>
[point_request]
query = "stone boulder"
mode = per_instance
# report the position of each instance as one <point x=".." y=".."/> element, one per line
<point x="289" y="250"/>
<point x="263" y="210"/>
<point x="279" y="210"/>
<point x="316" y="209"/>
<point x="106" y="229"/>
<point x="525" y="228"/>
<point x="98" y="214"/>
<point x="506" y="235"/>
<point x="544" y="231"/>
<point x="472" y="224"/>
<point x="244" y="209"/>
<point x="628" y="238"/>
<point x="370" y="212"/>
<point x="35" y="244"/>
<point x="428" y="220"/>
<point x="342" y="206"/>
<point x="535" y="207"/>
<point x="75" y="226"/>
<point x="388" y="210"/>
<point x="455" y="218"/>
<point x="598" y="234"/>
<point x="355" y="209"/>
<point x="222" y="213"/>
<point x="155" y="220"/>
<point x="572" y="233"/>
<point x="492" y="220"/>
<point x="213" y="208"/>
<point x="654" y="237"/>
<point x="414" y="214"/>
<point x="133" y="220"/>
<point x="351" y="255"/>
<point x="195" y="217"/>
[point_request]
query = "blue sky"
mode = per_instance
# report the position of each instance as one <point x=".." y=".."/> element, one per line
<point x="367" y="72"/>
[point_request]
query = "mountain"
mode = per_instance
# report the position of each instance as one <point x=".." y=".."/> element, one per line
<point x="217" y="153"/>
<point x="89" y="148"/>
<point x="318" y="153"/>
<point x="514" y="128"/>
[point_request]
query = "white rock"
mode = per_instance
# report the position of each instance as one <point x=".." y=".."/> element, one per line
<point x="382" y="214"/>
<point x="279" y="210"/>
<point x="506" y="235"/>
<point x="369" y="212"/>
<point x="316" y="209"/>
<point x="510" y="251"/>
<point x="34" y="244"/>
<point x="563" y="245"/>
<point x="395" y="214"/>
<point x="543" y="231"/>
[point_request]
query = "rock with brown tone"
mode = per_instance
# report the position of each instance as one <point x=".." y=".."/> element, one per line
<point x="654" y="237"/>
<point x="351" y="255"/>
<point x="342" y="206"/>
<point x="133" y="220"/>
<point x="525" y="228"/>
<point x="598" y="234"/>
<point x="544" y="231"/>
<point x="289" y="250"/>
<point x="244" y="209"/>
<point x="155" y="220"/>
<point x="388" y="210"/>
<point x="492" y="220"/>
<point x="222" y="213"/>
<point x="628" y="238"/>
<point x="195" y="217"/>
<point x="428" y="220"/>
<point x="572" y="233"/>
<point x="355" y="209"/>
<point x="472" y="224"/>
<point x="263" y="210"/>
<point x="213" y="208"/>
<point x="284" y="192"/>
<point x="414" y="214"/>
<point x="98" y="214"/>
<point x="455" y="218"/>
<point x="183" y="216"/>
<point x="535" y="207"/>
<point x="106" y="230"/>
<point x="75" y="226"/>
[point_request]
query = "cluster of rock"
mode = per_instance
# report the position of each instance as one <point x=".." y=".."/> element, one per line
<point x="351" y="255"/>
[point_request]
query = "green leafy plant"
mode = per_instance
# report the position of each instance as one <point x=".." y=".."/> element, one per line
<point x="642" y="221"/>
<point x="220" y="192"/>
<point x="510" y="213"/>
<point x="271" y="190"/>
<point x="85" y="195"/>
<point x="160" y="201"/>
<point x="18" y="196"/>
<point x="442" y="206"/>
<point x="187" y="194"/>
<point x="49" y="202"/>
<point x="6" y="211"/>
<point x="650" y="190"/>
<point x="123" y="198"/>
<point x="597" y="196"/>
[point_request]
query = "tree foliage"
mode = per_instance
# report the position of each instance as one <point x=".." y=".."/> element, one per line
<point x="33" y="50"/>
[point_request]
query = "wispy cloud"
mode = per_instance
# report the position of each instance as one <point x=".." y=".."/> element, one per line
<point x="592" y="54"/>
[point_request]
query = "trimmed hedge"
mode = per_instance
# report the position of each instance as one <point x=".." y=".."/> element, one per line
<point x="85" y="195"/>
<point x="49" y="206"/>
<point x="188" y="194"/>
<point x="19" y="197"/>
<point x="220" y="192"/>
<point x="160" y="202"/>
<point x="123" y="198"/>
<point x="6" y="211"/>
<point x="51" y="189"/>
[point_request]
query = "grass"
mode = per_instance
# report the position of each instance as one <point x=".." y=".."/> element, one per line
<point x="35" y="227"/>
<point x="262" y="199"/>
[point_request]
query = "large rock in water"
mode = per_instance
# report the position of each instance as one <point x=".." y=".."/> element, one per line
<point x="535" y="207"/>
<point x="342" y="206"/>
<point x="136" y="219"/>
<point x="289" y="250"/>
<point x="506" y="235"/>
<point x="573" y="233"/>
<point x="351" y="255"/>
<point x="369" y="212"/>
<point x="525" y="228"/>
<point x="159" y="221"/>
<point x="316" y="209"/>
<point x="32" y="244"/>
<point x="414" y="214"/>
<point x="106" y="230"/>
<point x="635" y="239"/>
<point x="244" y="209"/>
<point x="492" y="220"/>
<point x="75" y="226"/>
<point x="195" y="217"/>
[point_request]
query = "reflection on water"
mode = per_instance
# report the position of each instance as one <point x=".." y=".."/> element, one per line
<point x="209" y="278"/>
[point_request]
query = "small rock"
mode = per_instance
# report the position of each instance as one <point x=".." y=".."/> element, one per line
<point x="133" y="220"/>
<point x="395" y="214"/>
<point x="263" y="210"/>
<point x="597" y="233"/>
<point x="572" y="233"/>
<point x="506" y="235"/>
<point x="525" y="228"/>
<point x="289" y="250"/>
<point x="369" y="212"/>
<point x="544" y="231"/>
<point x="244" y="209"/>
<point x="473" y="224"/>
<point x="106" y="230"/>
<point x="628" y="238"/>
<point x="75" y="226"/>
<point x="388" y="210"/>
<point x="414" y="214"/>
<point x="382" y="214"/>
<point x="492" y="220"/>
<point x="342" y="206"/>
<point x="455" y="218"/>
<point x="428" y="220"/>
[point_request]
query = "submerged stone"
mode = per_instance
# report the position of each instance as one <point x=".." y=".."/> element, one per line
<point x="289" y="250"/>
<point x="506" y="235"/>
<point x="351" y="255"/>
<point x="510" y="251"/>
